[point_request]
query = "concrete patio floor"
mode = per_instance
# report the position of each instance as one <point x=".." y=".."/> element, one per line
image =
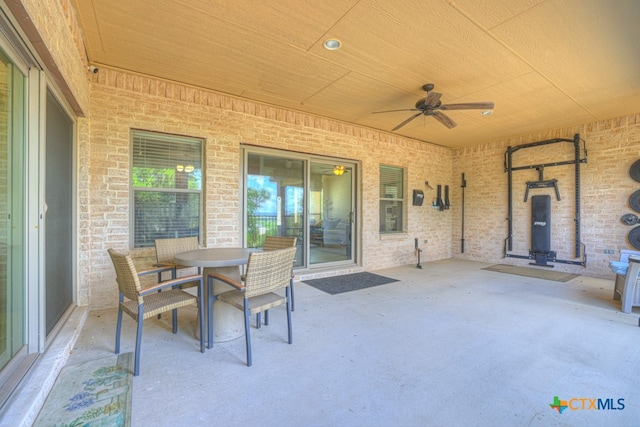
<point x="448" y="345"/>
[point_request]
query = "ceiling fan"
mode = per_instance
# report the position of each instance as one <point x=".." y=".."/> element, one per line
<point x="432" y="106"/>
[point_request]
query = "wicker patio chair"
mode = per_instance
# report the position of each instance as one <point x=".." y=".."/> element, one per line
<point x="142" y="304"/>
<point x="166" y="249"/>
<point x="631" y="290"/>
<point x="266" y="273"/>
<point x="272" y="243"/>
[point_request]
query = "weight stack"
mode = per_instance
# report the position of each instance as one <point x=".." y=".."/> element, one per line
<point x="541" y="224"/>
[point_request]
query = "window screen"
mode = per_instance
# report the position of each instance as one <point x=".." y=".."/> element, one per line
<point x="167" y="187"/>
<point x="391" y="199"/>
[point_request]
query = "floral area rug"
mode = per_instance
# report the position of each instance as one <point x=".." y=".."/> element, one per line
<point x="94" y="393"/>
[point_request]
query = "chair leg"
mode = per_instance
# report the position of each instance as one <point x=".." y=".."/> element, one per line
<point x="293" y="304"/>
<point x="174" y="320"/>
<point x="118" y="329"/>
<point x="266" y="317"/>
<point x="258" y="320"/>
<point x="136" y="369"/>
<point x="210" y="298"/>
<point x="201" y="316"/>
<point x="247" y="330"/>
<point x="289" y="317"/>
<point x="159" y="280"/>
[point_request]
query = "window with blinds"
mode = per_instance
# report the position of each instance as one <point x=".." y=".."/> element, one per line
<point x="391" y="199"/>
<point x="166" y="181"/>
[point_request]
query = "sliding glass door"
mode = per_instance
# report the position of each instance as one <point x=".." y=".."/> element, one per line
<point x="12" y="238"/>
<point x="330" y="213"/>
<point x="275" y="200"/>
<point x="309" y="198"/>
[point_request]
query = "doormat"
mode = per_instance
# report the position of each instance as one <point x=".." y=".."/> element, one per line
<point x="556" y="276"/>
<point x="349" y="282"/>
<point x="94" y="393"/>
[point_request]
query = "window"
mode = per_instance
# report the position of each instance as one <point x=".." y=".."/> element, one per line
<point x="166" y="182"/>
<point x="391" y="199"/>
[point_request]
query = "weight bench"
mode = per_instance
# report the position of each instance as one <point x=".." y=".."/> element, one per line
<point x="627" y="283"/>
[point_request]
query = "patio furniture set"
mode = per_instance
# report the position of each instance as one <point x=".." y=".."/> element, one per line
<point x="220" y="288"/>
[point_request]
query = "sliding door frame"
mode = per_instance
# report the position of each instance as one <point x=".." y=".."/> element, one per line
<point x="355" y="167"/>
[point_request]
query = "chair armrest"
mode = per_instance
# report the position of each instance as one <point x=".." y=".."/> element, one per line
<point x="165" y="265"/>
<point x="158" y="269"/>
<point x="170" y="283"/>
<point x="229" y="281"/>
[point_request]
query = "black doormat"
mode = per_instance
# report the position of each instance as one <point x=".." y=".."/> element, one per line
<point x="349" y="282"/>
<point x="556" y="276"/>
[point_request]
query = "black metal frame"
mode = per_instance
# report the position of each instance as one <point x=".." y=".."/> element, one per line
<point x="541" y="183"/>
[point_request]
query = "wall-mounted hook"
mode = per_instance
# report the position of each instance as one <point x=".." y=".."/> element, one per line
<point x="428" y="186"/>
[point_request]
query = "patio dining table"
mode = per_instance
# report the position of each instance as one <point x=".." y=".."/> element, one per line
<point x="228" y="321"/>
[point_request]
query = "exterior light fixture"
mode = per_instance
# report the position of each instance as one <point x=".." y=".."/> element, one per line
<point x="180" y="168"/>
<point x="338" y="170"/>
<point x="332" y="44"/>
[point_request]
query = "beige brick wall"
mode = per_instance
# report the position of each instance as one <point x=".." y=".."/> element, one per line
<point x="120" y="102"/>
<point x="612" y="146"/>
<point x="58" y="27"/>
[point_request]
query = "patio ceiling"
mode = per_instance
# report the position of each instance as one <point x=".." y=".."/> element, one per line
<point x="544" y="63"/>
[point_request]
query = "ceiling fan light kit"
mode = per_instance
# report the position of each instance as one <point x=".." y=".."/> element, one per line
<point x="432" y="106"/>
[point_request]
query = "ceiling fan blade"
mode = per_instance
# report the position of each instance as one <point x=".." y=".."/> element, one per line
<point x="444" y="119"/>
<point x="468" y="106"/>
<point x="393" y="111"/>
<point x="406" y="121"/>
<point x="432" y="99"/>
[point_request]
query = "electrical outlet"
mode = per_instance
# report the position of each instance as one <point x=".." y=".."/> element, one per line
<point x="608" y="251"/>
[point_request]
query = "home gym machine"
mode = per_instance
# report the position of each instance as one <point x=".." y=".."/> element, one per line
<point x="540" y="250"/>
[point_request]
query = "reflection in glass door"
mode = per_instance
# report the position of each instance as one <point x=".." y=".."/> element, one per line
<point x="12" y="282"/>
<point x="330" y="213"/>
<point x="309" y="198"/>
<point x="275" y="200"/>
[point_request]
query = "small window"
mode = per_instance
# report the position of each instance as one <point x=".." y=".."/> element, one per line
<point x="166" y="182"/>
<point x="391" y="199"/>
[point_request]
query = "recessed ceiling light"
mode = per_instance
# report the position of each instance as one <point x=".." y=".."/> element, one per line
<point x="487" y="112"/>
<point x="332" y="44"/>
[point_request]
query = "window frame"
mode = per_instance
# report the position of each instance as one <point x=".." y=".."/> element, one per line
<point x="134" y="190"/>
<point x="386" y="204"/>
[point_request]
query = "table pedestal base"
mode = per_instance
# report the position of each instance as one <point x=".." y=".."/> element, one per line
<point x="228" y="321"/>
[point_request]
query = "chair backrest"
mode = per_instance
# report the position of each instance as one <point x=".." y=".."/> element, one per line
<point x="634" y="269"/>
<point x="166" y="249"/>
<point x="272" y="243"/>
<point x="626" y="253"/>
<point x="126" y="275"/>
<point x="268" y="271"/>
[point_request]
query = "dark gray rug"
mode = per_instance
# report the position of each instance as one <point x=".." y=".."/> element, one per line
<point x="349" y="282"/>
<point x="556" y="276"/>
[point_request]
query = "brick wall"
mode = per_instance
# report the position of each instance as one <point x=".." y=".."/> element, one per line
<point x="121" y="101"/>
<point x="58" y="26"/>
<point x="612" y="146"/>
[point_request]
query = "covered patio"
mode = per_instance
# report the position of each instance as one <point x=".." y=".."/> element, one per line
<point x="451" y="344"/>
<point x="123" y="117"/>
